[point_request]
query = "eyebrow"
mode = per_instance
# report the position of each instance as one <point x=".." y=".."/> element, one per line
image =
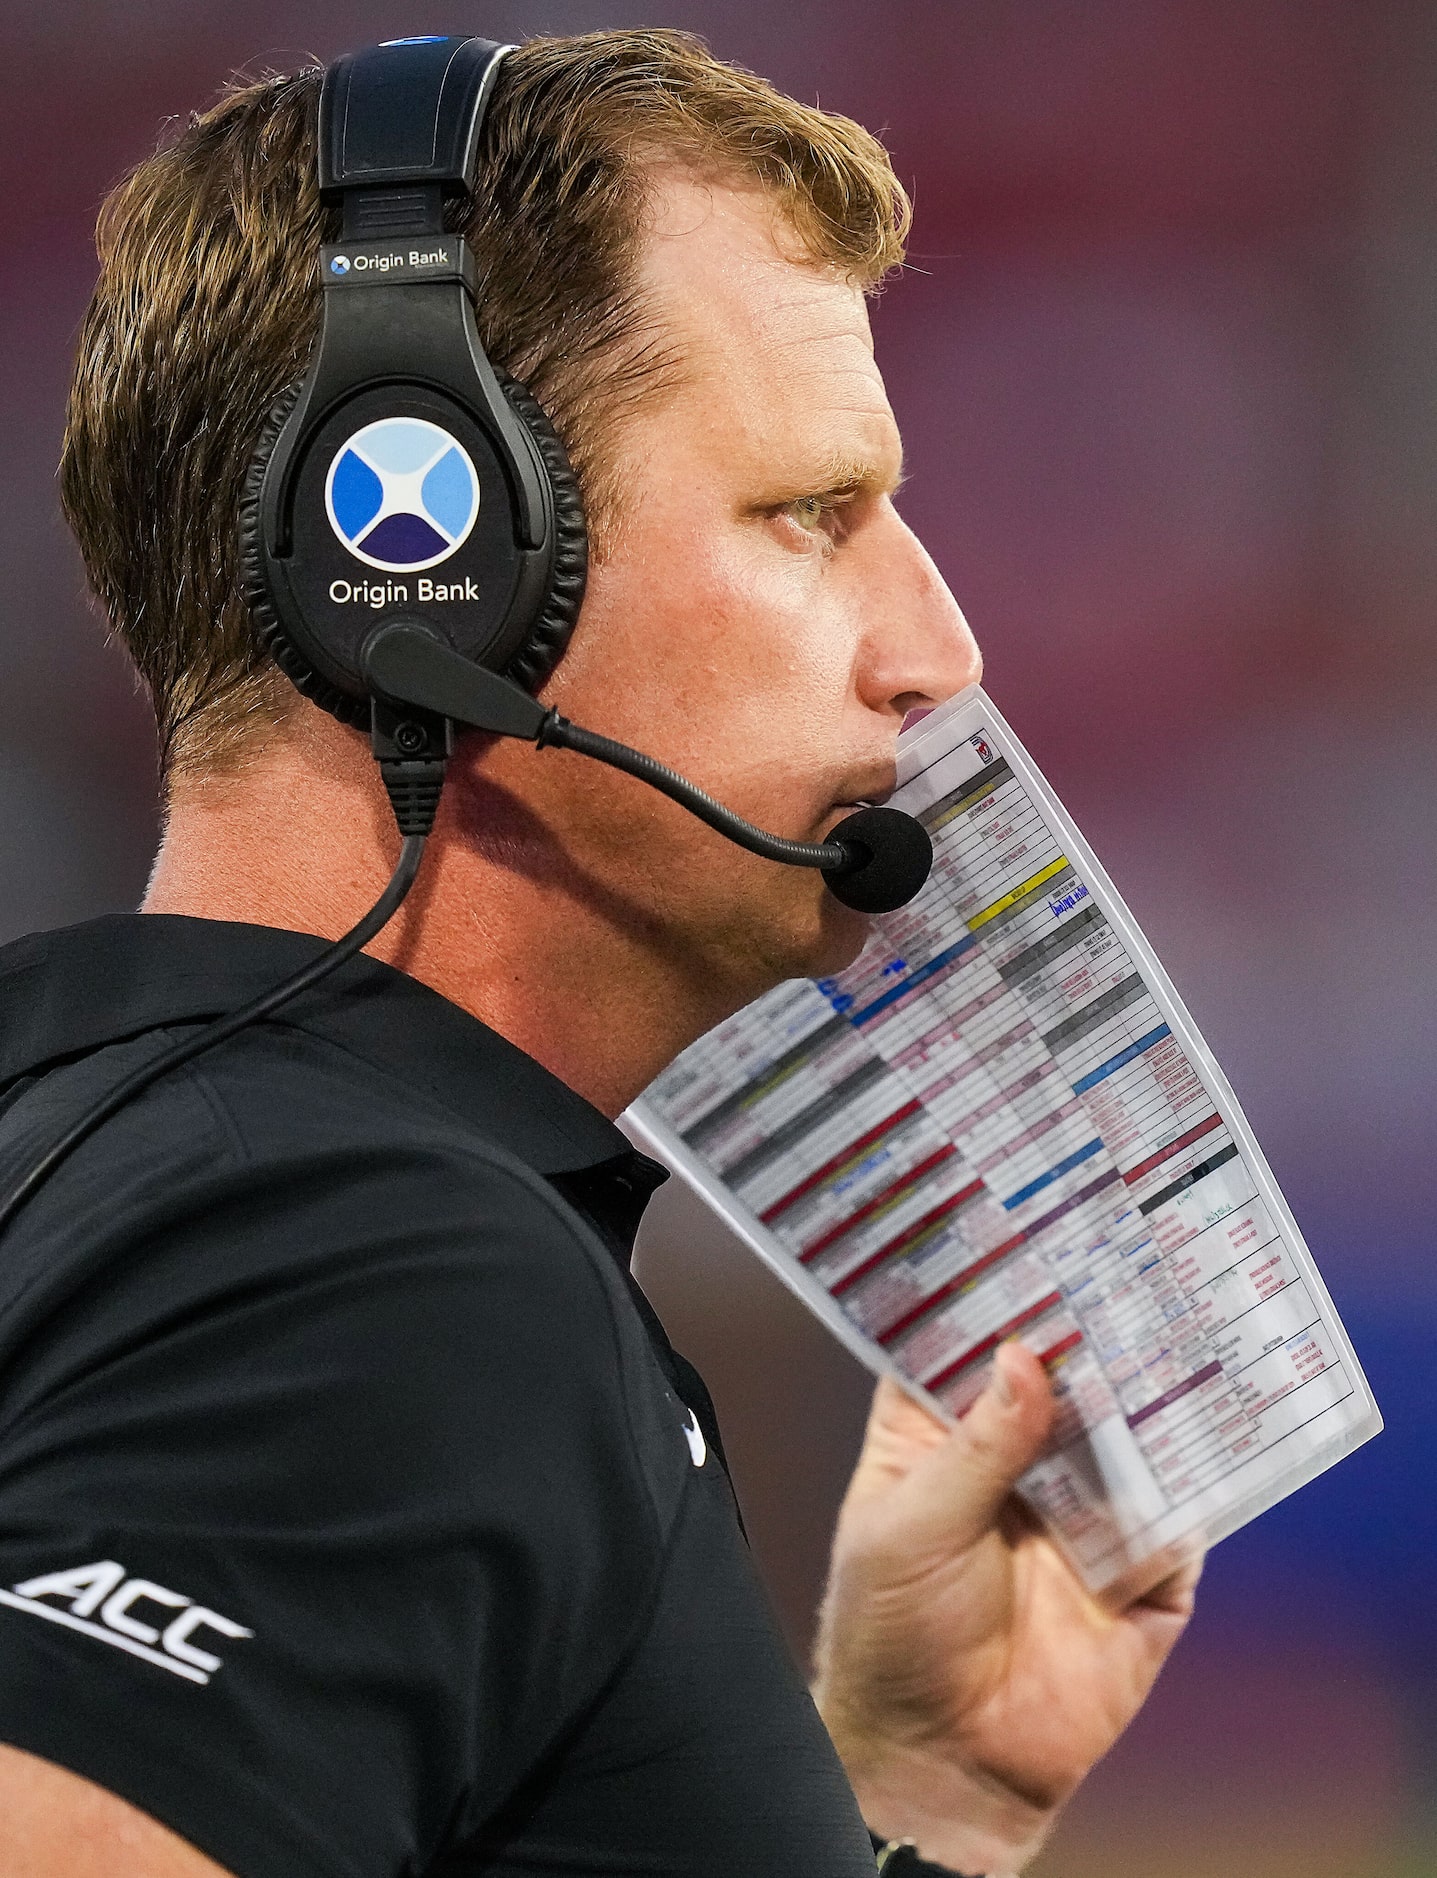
<point x="846" y="475"/>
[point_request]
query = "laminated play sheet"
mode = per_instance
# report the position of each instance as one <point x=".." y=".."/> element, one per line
<point x="1001" y="1122"/>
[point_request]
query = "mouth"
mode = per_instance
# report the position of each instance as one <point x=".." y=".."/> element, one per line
<point x="874" y="788"/>
<point x="840" y="812"/>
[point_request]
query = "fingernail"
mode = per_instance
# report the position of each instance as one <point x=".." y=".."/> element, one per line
<point x="1002" y="1383"/>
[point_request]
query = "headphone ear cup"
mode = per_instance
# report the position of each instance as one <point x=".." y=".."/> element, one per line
<point x="276" y="642"/>
<point x="543" y="645"/>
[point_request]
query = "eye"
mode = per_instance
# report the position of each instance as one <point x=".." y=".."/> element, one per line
<point x="821" y="518"/>
<point x="810" y="512"/>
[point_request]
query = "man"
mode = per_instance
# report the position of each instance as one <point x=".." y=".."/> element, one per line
<point x="355" y="1515"/>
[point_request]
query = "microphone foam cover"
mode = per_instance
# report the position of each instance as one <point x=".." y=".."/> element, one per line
<point x="892" y="858"/>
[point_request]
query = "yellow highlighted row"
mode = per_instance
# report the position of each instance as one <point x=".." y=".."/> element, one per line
<point x="1018" y="893"/>
<point x="962" y="806"/>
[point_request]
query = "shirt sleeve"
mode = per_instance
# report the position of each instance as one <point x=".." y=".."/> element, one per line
<point x="322" y="1516"/>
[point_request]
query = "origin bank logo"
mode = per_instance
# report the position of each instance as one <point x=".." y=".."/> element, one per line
<point x="402" y="494"/>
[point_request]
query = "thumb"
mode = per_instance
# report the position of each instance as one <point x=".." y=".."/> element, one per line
<point x="959" y="1489"/>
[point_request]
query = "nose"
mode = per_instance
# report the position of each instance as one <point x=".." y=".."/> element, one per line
<point x="917" y="648"/>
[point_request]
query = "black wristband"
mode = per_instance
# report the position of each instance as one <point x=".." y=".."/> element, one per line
<point x="896" y="1859"/>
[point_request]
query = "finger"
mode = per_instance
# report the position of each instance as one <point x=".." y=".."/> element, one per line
<point x="900" y="1432"/>
<point x="1161" y="1614"/>
<point x="1176" y="1592"/>
<point x="1163" y="1581"/>
<point x="961" y="1487"/>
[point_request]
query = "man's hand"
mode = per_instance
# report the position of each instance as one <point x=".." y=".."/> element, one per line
<point x="968" y="1679"/>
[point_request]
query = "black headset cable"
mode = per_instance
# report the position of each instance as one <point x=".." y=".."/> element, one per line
<point x="330" y="960"/>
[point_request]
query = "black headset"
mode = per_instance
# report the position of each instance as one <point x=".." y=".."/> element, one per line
<point x="495" y="572"/>
<point x="412" y="535"/>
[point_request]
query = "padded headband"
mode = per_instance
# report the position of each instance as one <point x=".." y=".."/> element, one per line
<point x="404" y="113"/>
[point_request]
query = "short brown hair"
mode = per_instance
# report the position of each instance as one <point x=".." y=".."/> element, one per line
<point x="208" y="302"/>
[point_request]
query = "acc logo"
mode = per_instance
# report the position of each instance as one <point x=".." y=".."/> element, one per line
<point x="402" y="494"/>
<point x="105" y="1591"/>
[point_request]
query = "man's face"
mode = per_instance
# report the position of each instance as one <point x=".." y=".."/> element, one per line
<point x="763" y="619"/>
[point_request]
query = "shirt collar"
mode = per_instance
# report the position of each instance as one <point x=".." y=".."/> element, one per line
<point x="66" y="993"/>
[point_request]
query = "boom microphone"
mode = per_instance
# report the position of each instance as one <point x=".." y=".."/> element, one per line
<point x="875" y="860"/>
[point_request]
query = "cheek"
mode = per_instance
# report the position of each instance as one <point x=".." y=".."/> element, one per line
<point x="706" y="639"/>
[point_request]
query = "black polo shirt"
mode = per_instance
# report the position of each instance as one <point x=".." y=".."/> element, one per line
<point x="356" y="1518"/>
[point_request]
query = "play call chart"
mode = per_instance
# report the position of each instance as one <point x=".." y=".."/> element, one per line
<point x="1000" y="1122"/>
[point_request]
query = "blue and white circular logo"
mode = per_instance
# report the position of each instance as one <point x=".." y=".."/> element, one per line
<point x="340" y="264"/>
<point x="402" y="494"/>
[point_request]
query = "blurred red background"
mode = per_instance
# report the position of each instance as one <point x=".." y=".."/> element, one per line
<point x="1162" y="359"/>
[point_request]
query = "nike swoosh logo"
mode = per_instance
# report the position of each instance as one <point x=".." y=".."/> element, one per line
<point x="694" y="1435"/>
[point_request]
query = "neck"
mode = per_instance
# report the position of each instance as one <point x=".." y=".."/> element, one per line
<point x="509" y="927"/>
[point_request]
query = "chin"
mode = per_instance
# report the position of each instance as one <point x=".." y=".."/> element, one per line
<point x="843" y="936"/>
<point x="820" y="940"/>
<point x="792" y="928"/>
